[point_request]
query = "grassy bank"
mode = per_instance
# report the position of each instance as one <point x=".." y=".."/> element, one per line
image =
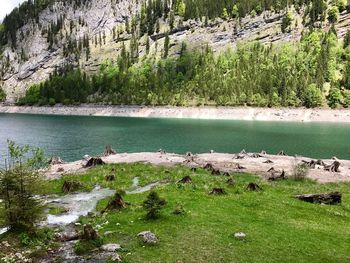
<point x="278" y="227"/>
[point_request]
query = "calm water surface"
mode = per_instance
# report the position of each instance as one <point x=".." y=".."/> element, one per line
<point x="73" y="137"/>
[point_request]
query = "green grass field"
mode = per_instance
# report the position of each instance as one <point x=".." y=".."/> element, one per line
<point x="278" y="227"/>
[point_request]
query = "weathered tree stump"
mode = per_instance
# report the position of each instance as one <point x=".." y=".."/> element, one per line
<point x="186" y="180"/>
<point x="89" y="233"/>
<point x="193" y="169"/>
<point x="189" y="154"/>
<point x="226" y="174"/>
<point x="60" y="170"/>
<point x="255" y="155"/>
<point x="217" y="191"/>
<point x="208" y="167"/>
<point x="161" y="151"/>
<point x="71" y="186"/>
<point x="334" y="167"/>
<point x="215" y="172"/>
<point x="253" y="187"/>
<point x="276" y="176"/>
<point x="94" y="161"/>
<point x="230" y="182"/>
<point x="116" y="203"/>
<point x="243" y="152"/>
<point x="55" y="160"/>
<point x="263" y="152"/>
<point x="282" y="153"/>
<point x="327" y="198"/>
<point x="110" y="178"/>
<point x="109" y="151"/>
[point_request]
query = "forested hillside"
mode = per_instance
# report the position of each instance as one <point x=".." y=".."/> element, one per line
<point x="180" y="52"/>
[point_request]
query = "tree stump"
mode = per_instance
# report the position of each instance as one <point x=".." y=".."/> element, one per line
<point x="239" y="157"/>
<point x="263" y="152"/>
<point x="215" y="172"/>
<point x="185" y="180"/>
<point x="253" y="187"/>
<point x="282" y="153"/>
<point x="334" y="167"/>
<point x="109" y="151"/>
<point x="89" y="233"/>
<point x="255" y="155"/>
<point x="110" y="178"/>
<point x="55" y="160"/>
<point x="71" y="186"/>
<point x="217" y="191"/>
<point x="240" y="167"/>
<point x="94" y="161"/>
<point x="327" y="198"/>
<point x="227" y="174"/>
<point x="230" y="182"/>
<point x="208" y="167"/>
<point x="193" y="169"/>
<point x="276" y="176"/>
<point x="116" y="203"/>
<point x="243" y="152"/>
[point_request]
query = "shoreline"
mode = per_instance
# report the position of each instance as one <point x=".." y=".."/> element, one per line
<point x="258" y="164"/>
<point x="204" y="113"/>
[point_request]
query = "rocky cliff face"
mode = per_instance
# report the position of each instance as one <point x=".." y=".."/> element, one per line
<point x="34" y="58"/>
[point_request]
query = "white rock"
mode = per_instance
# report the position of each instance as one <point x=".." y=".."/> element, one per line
<point x="240" y="235"/>
<point x="111" y="247"/>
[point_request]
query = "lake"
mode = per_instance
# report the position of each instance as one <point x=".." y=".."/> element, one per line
<point x="72" y="137"/>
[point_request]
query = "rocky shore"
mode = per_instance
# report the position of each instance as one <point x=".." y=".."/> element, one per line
<point x="216" y="113"/>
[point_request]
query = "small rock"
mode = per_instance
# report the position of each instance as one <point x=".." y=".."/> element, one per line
<point x="148" y="237"/>
<point x="240" y="235"/>
<point x="111" y="247"/>
<point x="116" y="258"/>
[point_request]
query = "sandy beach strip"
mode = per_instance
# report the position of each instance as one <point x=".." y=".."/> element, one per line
<point x="210" y="113"/>
<point x="259" y="164"/>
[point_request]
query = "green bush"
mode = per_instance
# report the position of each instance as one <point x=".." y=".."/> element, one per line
<point x="153" y="205"/>
<point x="19" y="183"/>
<point x="313" y="97"/>
<point x="300" y="172"/>
<point x="334" y="98"/>
<point x="52" y="102"/>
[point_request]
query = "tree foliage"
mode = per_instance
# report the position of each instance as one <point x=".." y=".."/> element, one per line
<point x="19" y="182"/>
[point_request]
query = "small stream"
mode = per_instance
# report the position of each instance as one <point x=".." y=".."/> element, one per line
<point x="80" y="204"/>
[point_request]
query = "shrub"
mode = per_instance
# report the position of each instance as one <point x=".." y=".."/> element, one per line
<point x="179" y="210"/>
<point x="313" y="97"/>
<point x="52" y="102"/>
<point x="153" y="204"/>
<point x="300" y="171"/>
<point x="19" y="183"/>
<point x="334" y="98"/>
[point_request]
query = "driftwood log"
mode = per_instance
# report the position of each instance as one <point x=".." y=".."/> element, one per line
<point x="334" y="167"/>
<point x="327" y="198"/>
<point x="94" y="161"/>
<point x="71" y="186"/>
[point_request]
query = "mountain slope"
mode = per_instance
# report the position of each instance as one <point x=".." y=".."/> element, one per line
<point x="86" y="34"/>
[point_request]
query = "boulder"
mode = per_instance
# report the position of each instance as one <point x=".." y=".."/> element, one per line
<point x="148" y="237"/>
<point x="110" y="247"/>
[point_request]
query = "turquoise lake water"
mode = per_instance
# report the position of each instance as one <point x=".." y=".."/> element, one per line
<point x="72" y="137"/>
